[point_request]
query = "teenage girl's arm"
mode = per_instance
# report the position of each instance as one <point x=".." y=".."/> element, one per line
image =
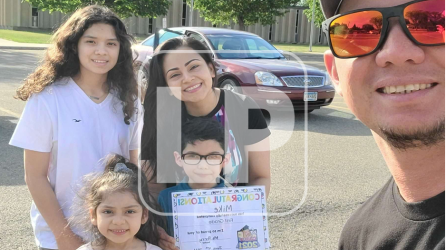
<point x="36" y="171"/>
<point x="134" y="156"/>
<point x="259" y="164"/>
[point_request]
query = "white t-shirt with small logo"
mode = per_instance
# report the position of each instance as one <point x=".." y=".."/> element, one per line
<point x="78" y="133"/>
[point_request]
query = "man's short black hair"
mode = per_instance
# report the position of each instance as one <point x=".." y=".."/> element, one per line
<point x="202" y="129"/>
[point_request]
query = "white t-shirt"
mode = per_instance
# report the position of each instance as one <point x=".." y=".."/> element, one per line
<point x="78" y="133"/>
<point x="148" y="247"/>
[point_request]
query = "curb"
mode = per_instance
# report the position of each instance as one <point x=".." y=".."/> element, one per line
<point x="308" y="53"/>
<point x="22" y="48"/>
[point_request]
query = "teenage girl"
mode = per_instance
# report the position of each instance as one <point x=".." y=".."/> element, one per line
<point x="81" y="105"/>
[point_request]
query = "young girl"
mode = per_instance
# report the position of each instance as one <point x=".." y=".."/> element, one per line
<point x="82" y="105"/>
<point x="181" y="85"/>
<point x="113" y="215"/>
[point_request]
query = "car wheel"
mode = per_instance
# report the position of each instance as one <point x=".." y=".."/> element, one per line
<point x="231" y="85"/>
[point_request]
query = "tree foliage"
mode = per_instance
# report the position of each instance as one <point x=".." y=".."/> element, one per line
<point x="123" y="8"/>
<point x="243" y="12"/>
<point x="318" y="14"/>
<point x="377" y="21"/>
<point x="425" y="19"/>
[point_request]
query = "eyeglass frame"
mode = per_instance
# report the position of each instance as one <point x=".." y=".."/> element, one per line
<point x="387" y="12"/>
<point x="205" y="158"/>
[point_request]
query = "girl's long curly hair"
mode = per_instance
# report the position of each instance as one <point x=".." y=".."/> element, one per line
<point x="61" y="59"/>
<point x="98" y="186"/>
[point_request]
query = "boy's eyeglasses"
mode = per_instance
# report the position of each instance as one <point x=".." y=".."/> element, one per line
<point x="195" y="159"/>
<point x="362" y="32"/>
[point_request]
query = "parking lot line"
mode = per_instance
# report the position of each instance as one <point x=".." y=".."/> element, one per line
<point x="10" y="112"/>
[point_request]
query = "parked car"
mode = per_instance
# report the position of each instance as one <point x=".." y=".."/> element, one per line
<point x="244" y="59"/>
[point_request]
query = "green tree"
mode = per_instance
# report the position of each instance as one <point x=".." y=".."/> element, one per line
<point x="367" y="27"/>
<point x="243" y="12"/>
<point x="318" y="14"/>
<point x="418" y="18"/>
<point x="378" y="22"/>
<point x="123" y="8"/>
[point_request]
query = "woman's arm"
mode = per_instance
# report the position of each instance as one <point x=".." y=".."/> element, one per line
<point x="154" y="187"/>
<point x="259" y="164"/>
<point x="166" y="242"/>
<point x="36" y="171"/>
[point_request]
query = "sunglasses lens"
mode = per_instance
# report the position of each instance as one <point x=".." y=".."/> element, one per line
<point x="356" y="34"/>
<point x="425" y="21"/>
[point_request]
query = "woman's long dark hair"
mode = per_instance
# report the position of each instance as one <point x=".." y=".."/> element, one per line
<point x="97" y="186"/>
<point x="150" y="146"/>
<point x="61" y="59"/>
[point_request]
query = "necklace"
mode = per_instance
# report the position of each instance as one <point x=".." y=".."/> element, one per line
<point x="96" y="98"/>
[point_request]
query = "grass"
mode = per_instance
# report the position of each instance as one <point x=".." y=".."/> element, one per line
<point x="26" y="36"/>
<point x="140" y="38"/>
<point x="301" y="47"/>
<point x="38" y="36"/>
<point x="42" y="37"/>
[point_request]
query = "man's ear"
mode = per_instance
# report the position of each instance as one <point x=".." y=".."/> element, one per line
<point x="93" y="217"/>
<point x="330" y="65"/>
<point x="145" y="216"/>
<point x="178" y="159"/>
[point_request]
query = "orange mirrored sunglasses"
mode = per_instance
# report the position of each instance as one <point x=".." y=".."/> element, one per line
<point x="362" y="32"/>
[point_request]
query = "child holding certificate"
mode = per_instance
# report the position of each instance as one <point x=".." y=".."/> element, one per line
<point x="202" y="158"/>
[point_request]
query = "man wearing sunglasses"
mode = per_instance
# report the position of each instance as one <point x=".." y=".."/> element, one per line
<point x="387" y="59"/>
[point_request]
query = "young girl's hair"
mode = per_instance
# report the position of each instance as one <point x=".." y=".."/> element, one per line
<point x="61" y="59"/>
<point x="150" y="146"/>
<point x="96" y="187"/>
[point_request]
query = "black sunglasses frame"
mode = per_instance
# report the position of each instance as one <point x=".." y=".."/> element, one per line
<point x="205" y="158"/>
<point x="395" y="11"/>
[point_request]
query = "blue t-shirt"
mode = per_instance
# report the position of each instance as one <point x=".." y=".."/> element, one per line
<point x="165" y="200"/>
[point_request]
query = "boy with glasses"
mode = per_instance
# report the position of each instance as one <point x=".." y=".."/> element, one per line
<point x="202" y="158"/>
<point x="387" y="60"/>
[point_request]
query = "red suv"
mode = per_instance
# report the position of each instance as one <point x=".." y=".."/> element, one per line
<point x="244" y="59"/>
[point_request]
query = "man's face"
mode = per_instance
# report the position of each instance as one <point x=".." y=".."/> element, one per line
<point x="400" y="63"/>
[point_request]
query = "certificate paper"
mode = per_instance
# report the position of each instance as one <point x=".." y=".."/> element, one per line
<point x="226" y="218"/>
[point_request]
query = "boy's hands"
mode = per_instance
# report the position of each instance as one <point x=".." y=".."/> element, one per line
<point x="166" y="242"/>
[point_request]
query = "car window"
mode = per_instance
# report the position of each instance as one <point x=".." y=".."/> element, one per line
<point x="251" y="44"/>
<point x="166" y="35"/>
<point x="163" y="36"/>
<point x="230" y="46"/>
<point x="258" y="49"/>
<point x="149" y="42"/>
<point x="197" y="37"/>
